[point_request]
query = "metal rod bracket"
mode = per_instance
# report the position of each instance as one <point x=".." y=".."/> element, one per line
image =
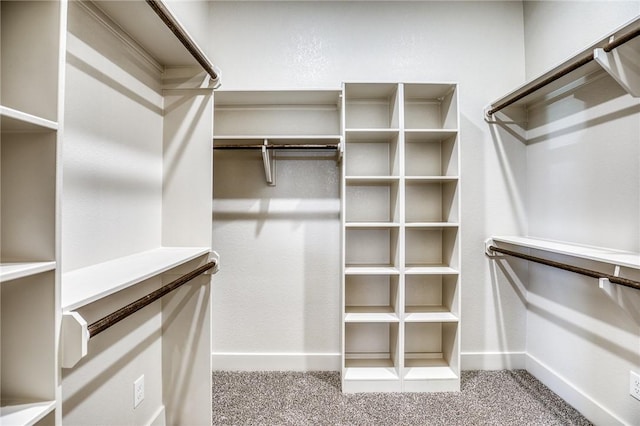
<point x="623" y="66"/>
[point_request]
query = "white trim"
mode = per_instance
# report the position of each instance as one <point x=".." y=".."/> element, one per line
<point x="159" y="418"/>
<point x="582" y="402"/>
<point x="275" y="361"/>
<point x="493" y="360"/>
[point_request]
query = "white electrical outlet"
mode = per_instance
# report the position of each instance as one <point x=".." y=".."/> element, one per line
<point x="634" y="385"/>
<point x="138" y="391"/>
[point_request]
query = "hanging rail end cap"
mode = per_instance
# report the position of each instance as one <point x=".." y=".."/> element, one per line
<point x="488" y="243"/>
<point x="214" y="257"/>
<point x="215" y="81"/>
<point x="488" y="115"/>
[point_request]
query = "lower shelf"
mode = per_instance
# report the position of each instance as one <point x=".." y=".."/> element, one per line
<point x="427" y="369"/>
<point x="15" y="412"/>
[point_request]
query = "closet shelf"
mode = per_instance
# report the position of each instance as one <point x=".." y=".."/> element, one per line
<point x="429" y="369"/>
<point x="372" y="225"/>
<point x="428" y="135"/>
<point x="573" y="72"/>
<point x="598" y="254"/>
<point x="384" y="372"/>
<point x="432" y="225"/>
<point x="431" y="179"/>
<point x="14" y="270"/>
<point x="429" y="314"/>
<point x="372" y="179"/>
<point x="276" y="139"/>
<point x="136" y="19"/>
<point x="17" y="412"/>
<point x="370" y="313"/>
<point x="12" y="120"/>
<point x="371" y="270"/>
<point x="86" y="285"/>
<point x="430" y="270"/>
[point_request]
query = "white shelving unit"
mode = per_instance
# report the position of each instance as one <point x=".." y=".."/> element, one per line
<point x="29" y="255"/>
<point x="401" y="233"/>
<point x="42" y="42"/>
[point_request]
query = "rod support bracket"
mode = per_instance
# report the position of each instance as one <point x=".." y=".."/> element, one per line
<point x="622" y="65"/>
<point x="269" y="163"/>
<point x="75" y="339"/>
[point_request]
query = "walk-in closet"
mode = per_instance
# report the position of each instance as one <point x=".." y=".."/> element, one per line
<point x="220" y="212"/>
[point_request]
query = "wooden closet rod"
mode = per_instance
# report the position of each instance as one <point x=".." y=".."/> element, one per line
<point x="278" y="146"/>
<point x="122" y="313"/>
<point x="576" y="269"/>
<point x="181" y="34"/>
<point x="572" y="66"/>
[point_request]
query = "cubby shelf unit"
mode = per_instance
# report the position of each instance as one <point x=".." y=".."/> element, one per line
<point x="29" y="255"/>
<point x="401" y="233"/>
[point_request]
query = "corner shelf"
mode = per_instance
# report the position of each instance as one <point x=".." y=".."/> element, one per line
<point x="86" y="285"/>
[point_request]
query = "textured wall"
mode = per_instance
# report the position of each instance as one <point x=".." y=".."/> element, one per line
<point x="273" y="296"/>
<point x="583" y="186"/>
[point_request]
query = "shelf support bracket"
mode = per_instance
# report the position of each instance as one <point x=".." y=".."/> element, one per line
<point x="617" y="293"/>
<point x="269" y="164"/>
<point x="623" y="65"/>
<point x="75" y="339"/>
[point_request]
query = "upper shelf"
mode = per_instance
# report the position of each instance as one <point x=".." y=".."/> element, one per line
<point x="86" y="285"/>
<point x="164" y="38"/>
<point x="598" y="254"/>
<point x="12" y="120"/>
<point x="576" y="70"/>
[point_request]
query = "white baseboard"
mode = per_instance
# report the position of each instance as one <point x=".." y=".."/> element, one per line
<point x="158" y="418"/>
<point x="242" y="361"/>
<point x="588" y="407"/>
<point x="492" y="360"/>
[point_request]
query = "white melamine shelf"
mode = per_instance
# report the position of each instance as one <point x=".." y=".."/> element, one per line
<point x="372" y="225"/>
<point x="86" y="285"/>
<point x="370" y="314"/>
<point x="12" y="120"/>
<point x="429" y="314"/>
<point x="435" y="225"/>
<point x="598" y="254"/>
<point x="13" y="270"/>
<point x="373" y="132"/>
<point x="431" y="179"/>
<point x="23" y="412"/>
<point x="428" y="369"/>
<point x="385" y="372"/>
<point x="428" y="135"/>
<point x="279" y="139"/>
<point x="371" y="270"/>
<point x="430" y="270"/>
<point x="372" y="179"/>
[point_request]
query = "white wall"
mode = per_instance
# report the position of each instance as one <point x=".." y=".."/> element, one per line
<point x="111" y="204"/>
<point x="272" y="295"/>
<point x="583" y="186"/>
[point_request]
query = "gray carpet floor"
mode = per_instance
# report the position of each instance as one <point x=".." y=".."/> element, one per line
<point x="314" y="398"/>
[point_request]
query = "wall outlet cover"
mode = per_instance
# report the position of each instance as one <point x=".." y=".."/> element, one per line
<point x="138" y="391"/>
<point x="634" y="385"/>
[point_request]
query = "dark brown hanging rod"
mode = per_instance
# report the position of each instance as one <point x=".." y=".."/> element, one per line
<point x="578" y="270"/>
<point x="278" y="146"/>
<point x="184" y="38"/>
<point x="574" y="65"/>
<point x="122" y="313"/>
